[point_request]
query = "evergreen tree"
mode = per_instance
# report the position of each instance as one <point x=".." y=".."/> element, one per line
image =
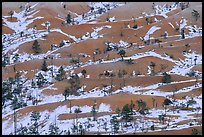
<point x="166" y="103"/>
<point x="115" y="124"/>
<point x="126" y="113"/>
<point x="36" y="47"/>
<point x="61" y="74"/>
<point x="166" y="78"/>
<point x="69" y="18"/>
<point x="61" y="44"/>
<point x="182" y="34"/>
<point x="54" y="130"/>
<point x="81" y="130"/>
<point x="35" y="116"/>
<point x="142" y="107"/>
<point x="94" y="112"/>
<point x="23" y="130"/>
<point x="11" y="13"/>
<point x="122" y="53"/>
<point x="40" y="80"/>
<point x="195" y="132"/>
<point x="118" y="111"/>
<point x="132" y="105"/>
<point x="44" y="66"/>
<point x="66" y="93"/>
<point x="135" y="26"/>
<point x="16" y="57"/>
<point x="83" y="72"/>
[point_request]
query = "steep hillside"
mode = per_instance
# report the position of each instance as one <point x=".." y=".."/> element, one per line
<point x="110" y="68"/>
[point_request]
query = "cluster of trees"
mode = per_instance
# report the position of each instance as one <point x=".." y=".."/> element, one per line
<point x="33" y="127"/>
<point x="12" y="89"/>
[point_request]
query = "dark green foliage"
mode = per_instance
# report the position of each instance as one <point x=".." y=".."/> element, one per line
<point x="115" y="124"/>
<point x="191" y="102"/>
<point x="66" y="93"/>
<point x="152" y="127"/>
<point x="36" y="47"/>
<point x="35" y="116"/>
<point x="132" y="105"/>
<point x="83" y="72"/>
<point x="44" y="66"/>
<point x="126" y="112"/>
<point x="16" y="57"/>
<point x="40" y="80"/>
<point x="81" y="130"/>
<point x="122" y="53"/>
<point x="191" y="73"/>
<point x="195" y="132"/>
<point x="61" y="44"/>
<point x="118" y="111"/>
<point x="182" y="34"/>
<point x="94" y="112"/>
<point x="141" y="104"/>
<point x="69" y="18"/>
<point x="166" y="78"/>
<point x="77" y="110"/>
<point x="61" y="74"/>
<point x="135" y="26"/>
<point x="11" y="13"/>
<point x="23" y="130"/>
<point x="167" y="102"/>
<point x="54" y="130"/>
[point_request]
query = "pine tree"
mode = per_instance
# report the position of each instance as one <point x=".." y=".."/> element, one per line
<point x="40" y="80"/>
<point x="118" y="111"/>
<point x="166" y="78"/>
<point x="69" y="18"/>
<point x="166" y="103"/>
<point x="61" y="74"/>
<point x="81" y="130"/>
<point x="83" y="72"/>
<point x="23" y="130"/>
<point x="36" y="47"/>
<point x="182" y="34"/>
<point x="66" y="93"/>
<point x="115" y="124"/>
<point x="94" y="112"/>
<point x="35" y="116"/>
<point x="122" y="53"/>
<point x="61" y="44"/>
<point x="44" y="66"/>
<point x="126" y="113"/>
<point x="16" y="57"/>
<point x="132" y="105"/>
<point x="54" y="130"/>
<point x="11" y="13"/>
